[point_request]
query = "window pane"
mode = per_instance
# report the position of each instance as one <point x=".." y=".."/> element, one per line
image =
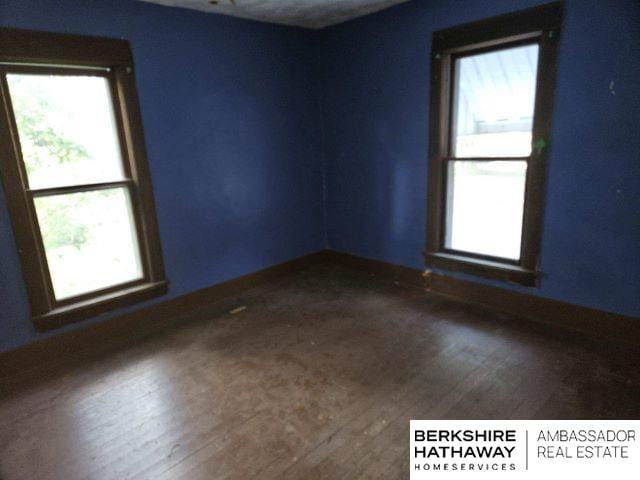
<point x="67" y="129"/>
<point x="494" y="102"/>
<point x="89" y="239"/>
<point x="485" y="207"/>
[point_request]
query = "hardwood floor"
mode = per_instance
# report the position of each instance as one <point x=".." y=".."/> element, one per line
<point x="317" y="378"/>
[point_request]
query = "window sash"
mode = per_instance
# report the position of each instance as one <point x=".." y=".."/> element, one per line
<point x="451" y="93"/>
<point x="444" y="219"/>
<point x="107" y="73"/>
<point x="449" y="142"/>
<point x="129" y="186"/>
<point x="538" y="25"/>
<point x="23" y="51"/>
<point x="127" y="182"/>
<point x="449" y="148"/>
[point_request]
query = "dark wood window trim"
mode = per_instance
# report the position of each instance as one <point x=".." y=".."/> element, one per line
<point x="539" y="25"/>
<point x="23" y="50"/>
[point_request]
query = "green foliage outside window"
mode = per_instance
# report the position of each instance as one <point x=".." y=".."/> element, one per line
<point x="44" y="144"/>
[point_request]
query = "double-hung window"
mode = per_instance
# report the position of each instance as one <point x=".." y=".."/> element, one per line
<point x="75" y="175"/>
<point x="492" y="86"/>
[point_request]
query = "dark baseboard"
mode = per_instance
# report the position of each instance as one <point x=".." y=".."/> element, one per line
<point x="398" y="273"/>
<point x="58" y="350"/>
<point x="597" y="324"/>
<point x="41" y="356"/>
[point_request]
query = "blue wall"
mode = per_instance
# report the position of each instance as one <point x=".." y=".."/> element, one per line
<point x="230" y="112"/>
<point x="376" y="124"/>
<point x="266" y="142"/>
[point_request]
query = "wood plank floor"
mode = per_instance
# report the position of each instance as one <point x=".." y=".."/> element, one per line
<point x="317" y="379"/>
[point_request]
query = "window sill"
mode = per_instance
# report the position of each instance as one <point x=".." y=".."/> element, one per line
<point x="482" y="268"/>
<point x="76" y="312"/>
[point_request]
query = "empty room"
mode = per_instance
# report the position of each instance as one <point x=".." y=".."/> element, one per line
<point x="319" y="239"/>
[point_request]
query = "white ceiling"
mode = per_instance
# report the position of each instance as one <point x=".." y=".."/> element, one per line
<point x="302" y="13"/>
